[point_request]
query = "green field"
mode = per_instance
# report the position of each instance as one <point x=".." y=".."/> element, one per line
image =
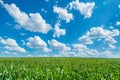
<point x="59" y="69"/>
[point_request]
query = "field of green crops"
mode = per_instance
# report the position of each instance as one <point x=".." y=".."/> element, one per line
<point x="59" y="69"/>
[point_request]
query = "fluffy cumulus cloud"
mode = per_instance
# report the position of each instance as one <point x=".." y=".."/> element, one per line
<point x="99" y="33"/>
<point x="80" y="47"/>
<point x="83" y="51"/>
<point x="63" y="13"/>
<point x="118" y="23"/>
<point x="55" y="45"/>
<point x="37" y="43"/>
<point x="110" y="41"/>
<point x="85" y="9"/>
<point x="85" y="39"/>
<point x="57" y="31"/>
<point x="11" y="45"/>
<point x="32" y="22"/>
<point x="109" y="54"/>
<point x="96" y="33"/>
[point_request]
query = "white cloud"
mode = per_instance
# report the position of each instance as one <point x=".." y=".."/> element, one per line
<point x="109" y="54"/>
<point x="82" y="50"/>
<point x="37" y="43"/>
<point x="85" y="9"/>
<point x="110" y="40"/>
<point x="19" y="16"/>
<point x="80" y="47"/>
<point x="57" y="31"/>
<point x="63" y="13"/>
<point x="37" y="24"/>
<point x="11" y="45"/>
<point x="111" y="27"/>
<point x="85" y="39"/>
<point x="32" y="22"/>
<point x="99" y="33"/>
<point x="66" y="54"/>
<point x="111" y="46"/>
<point x="117" y="23"/>
<point x="55" y="45"/>
<point x="119" y="5"/>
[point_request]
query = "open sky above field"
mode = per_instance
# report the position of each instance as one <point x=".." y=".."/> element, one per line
<point x="75" y="28"/>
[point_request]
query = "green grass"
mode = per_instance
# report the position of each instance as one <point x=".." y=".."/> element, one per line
<point x="59" y="69"/>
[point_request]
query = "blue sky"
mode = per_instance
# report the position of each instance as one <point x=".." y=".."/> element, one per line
<point x="71" y="28"/>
